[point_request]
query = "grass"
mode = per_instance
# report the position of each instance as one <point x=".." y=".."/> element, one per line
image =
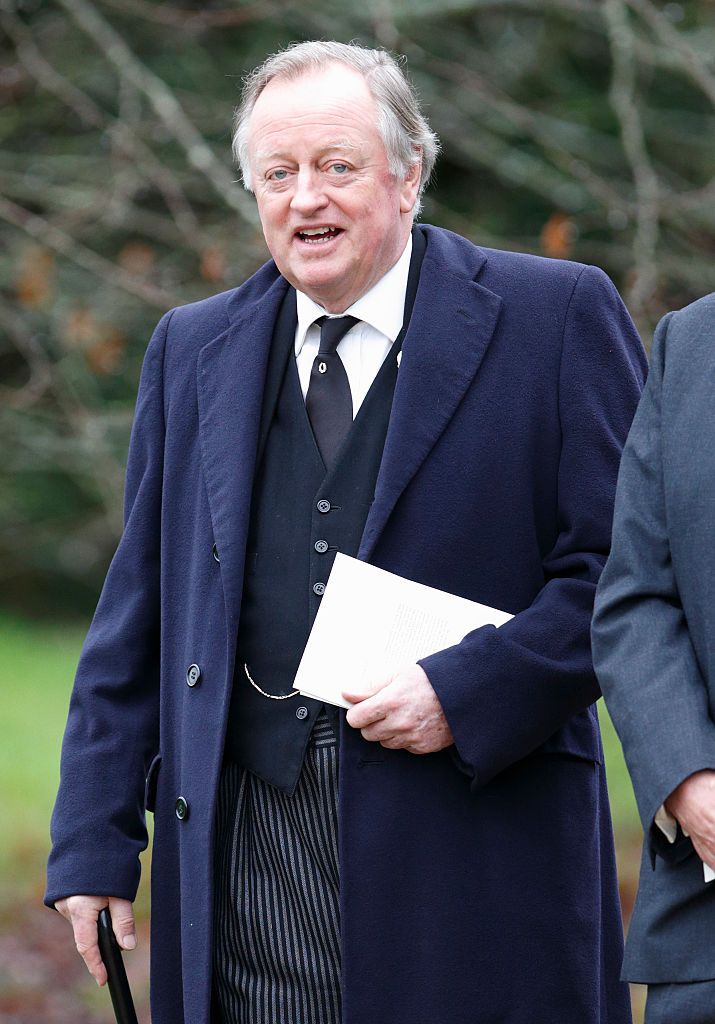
<point x="39" y="660"/>
<point x="623" y="802"/>
<point x="39" y="663"/>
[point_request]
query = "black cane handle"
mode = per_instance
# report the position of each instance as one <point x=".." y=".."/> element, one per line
<point x="116" y="975"/>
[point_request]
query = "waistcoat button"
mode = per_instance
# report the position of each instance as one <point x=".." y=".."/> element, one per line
<point x="323" y="505"/>
<point x="301" y="713"/>
<point x="321" y="546"/>
<point x="319" y="589"/>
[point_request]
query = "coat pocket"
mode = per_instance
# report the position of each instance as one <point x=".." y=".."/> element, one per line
<point x="152" y="777"/>
<point x="579" y="737"/>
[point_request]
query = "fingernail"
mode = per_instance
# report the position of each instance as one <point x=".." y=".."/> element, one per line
<point x="129" y="941"/>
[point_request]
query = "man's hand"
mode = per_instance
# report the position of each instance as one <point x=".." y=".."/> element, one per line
<point x="693" y="805"/>
<point x="401" y="712"/>
<point x="82" y="913"/>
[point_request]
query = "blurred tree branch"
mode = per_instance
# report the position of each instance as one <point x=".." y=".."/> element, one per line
<point x="165" y="105"/>
<point x="622" y="95"/>
<point x="91" y="114"/>
<point x="570" y="128"/>
<point x="692" y="61"/>
<point x="77" y="443"/>
<point x="39" y="228"/>
<point x="193" y="20"/>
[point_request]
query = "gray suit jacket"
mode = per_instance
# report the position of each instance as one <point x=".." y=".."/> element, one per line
<point x="654" y="635"/>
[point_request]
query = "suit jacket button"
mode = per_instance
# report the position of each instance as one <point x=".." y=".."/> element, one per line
<point x="193" y="674"/>
<point x="214" y="552"/>
<point x="319" y="589"/>
<point x="301" y="713"/>
<point x="182" y="809"/>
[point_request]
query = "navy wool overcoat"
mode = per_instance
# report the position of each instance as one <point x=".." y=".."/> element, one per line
<point x="478" y="883"/>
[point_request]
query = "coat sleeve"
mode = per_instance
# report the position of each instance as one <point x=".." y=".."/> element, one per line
<point x="643" y="654"/>
<point x="98" y="825"/>
<point x="506" y="691"/>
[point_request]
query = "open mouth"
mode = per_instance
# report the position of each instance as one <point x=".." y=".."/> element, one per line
<point x="318" y="236"/>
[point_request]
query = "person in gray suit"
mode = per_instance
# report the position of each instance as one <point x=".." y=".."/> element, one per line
<point x="654" y="652"/>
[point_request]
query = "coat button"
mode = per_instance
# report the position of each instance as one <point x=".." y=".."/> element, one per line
<point x="193" y="674"/>
<point x="182" y="809"/>
<point x="301" y="713"/>
<point x="214" y="552"/>
<point x="319" y="589"/>
<point x="323" y="505"/>
<point x="321" y="546"/>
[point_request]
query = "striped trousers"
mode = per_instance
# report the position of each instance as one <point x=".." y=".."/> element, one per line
<point x="276" y="911"/>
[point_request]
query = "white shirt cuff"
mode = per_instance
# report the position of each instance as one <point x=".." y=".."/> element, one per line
<point x="666" y="823"/>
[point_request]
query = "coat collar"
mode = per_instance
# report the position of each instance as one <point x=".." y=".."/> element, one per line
<point x="231" y="372"/>
<point x="450" y="329"/>
<point x="452" y="323"/>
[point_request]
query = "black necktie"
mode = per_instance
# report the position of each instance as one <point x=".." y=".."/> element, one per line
<point x="329" y="401"/>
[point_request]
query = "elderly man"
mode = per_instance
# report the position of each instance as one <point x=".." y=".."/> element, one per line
<point x="653" y="645"/>
<point x="449" y="413"/>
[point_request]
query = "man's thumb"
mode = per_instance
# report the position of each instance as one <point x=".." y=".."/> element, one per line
<point x="123" y="923"/>
<point x="365" y="690"/>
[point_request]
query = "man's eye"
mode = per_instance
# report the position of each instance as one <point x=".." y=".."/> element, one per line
<point x="279" y="175"/>
<point x="339" y="168"/>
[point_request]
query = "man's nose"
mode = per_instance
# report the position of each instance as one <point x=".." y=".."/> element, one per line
<point x="309" y="193"/>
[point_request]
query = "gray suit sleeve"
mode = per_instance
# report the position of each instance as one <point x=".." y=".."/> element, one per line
<point x="642" y="649"/>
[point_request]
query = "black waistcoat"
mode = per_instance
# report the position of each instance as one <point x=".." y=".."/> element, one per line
<point x="300" y="517"/>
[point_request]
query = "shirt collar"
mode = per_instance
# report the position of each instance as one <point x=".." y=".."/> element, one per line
<point x="383" y="306"/>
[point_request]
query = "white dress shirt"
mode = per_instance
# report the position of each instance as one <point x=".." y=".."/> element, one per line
<point x="380" y="311"/>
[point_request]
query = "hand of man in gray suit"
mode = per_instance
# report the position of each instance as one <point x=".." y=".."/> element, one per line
<point x="692" y="804"/>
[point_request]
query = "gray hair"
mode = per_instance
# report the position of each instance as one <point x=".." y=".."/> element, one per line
<point x="402" y="126"/>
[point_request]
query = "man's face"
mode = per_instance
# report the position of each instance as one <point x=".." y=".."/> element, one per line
<point x="334" y="217"/>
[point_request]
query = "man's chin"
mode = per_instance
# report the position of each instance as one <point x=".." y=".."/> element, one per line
<point x="326" y="287"/>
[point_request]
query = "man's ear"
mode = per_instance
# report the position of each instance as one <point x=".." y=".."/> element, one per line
<point x="410" y="186"/>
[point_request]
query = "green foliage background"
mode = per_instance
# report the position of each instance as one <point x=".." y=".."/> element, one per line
<point x="571" y="128"/>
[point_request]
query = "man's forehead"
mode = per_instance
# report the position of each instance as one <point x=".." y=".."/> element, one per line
<point x="338" y="75"/>
<point x="330" y="109"/>
<point x="279" y="148"/>
<point x="331" y="92"/>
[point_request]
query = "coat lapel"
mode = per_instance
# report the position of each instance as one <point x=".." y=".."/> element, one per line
<point x="231" y="373"/>
<point x="451" y="326"/>
<point x="452" y="323"/>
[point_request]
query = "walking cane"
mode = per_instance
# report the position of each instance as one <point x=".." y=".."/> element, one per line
<point x="116" y="975"/>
